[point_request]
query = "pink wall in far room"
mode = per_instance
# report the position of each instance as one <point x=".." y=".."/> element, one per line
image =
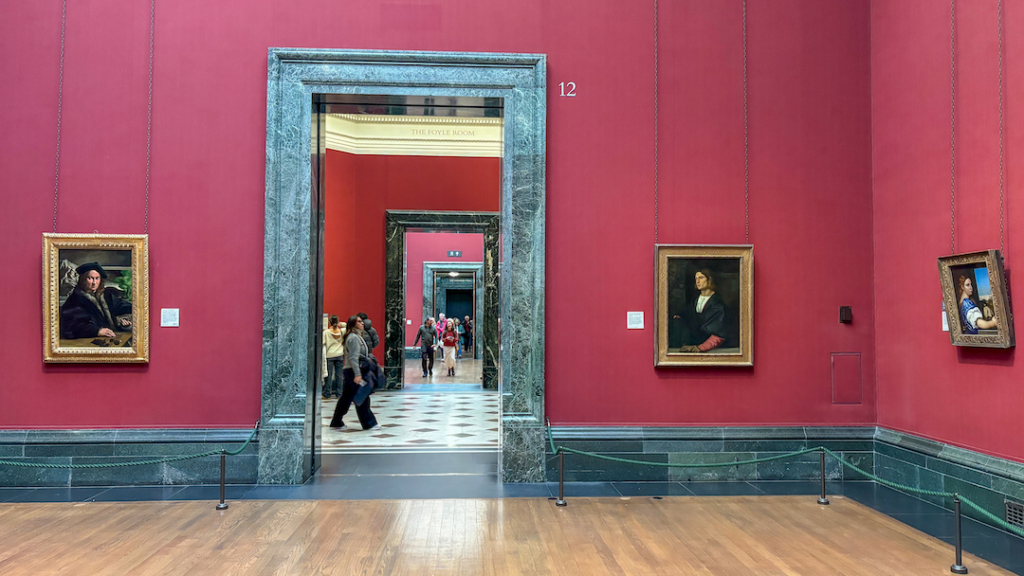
<point x="423" y="247"/>
<point x="360" y="189"/>
<point x="969" y="397"/>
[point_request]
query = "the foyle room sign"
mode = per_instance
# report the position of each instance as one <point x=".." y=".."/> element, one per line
<point x="442" y="132"/>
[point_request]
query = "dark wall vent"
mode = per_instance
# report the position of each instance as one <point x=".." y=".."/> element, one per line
<point x="1015" y="513"/>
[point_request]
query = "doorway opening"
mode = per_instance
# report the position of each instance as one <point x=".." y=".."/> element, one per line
<point x="411" y="215"/>
<point x="299" y="81"/>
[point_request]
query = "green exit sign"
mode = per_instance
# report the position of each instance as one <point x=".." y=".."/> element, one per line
<point x="455" y="253"/>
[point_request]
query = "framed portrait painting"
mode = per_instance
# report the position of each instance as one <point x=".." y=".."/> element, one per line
<point x="976" y="300"/>
<point x="95" y="298"/>
<point x="704" y="305"/>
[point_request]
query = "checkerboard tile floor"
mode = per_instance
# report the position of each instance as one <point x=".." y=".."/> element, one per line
<point x="418" y="421"/>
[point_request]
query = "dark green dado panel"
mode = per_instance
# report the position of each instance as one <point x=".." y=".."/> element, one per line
<point x="925" y="464"/>
<point x="117" y="446"/>
<point x="706" y="445"/>
<point x="903" y="458"/>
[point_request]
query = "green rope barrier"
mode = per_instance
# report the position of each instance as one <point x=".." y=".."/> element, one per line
<point x="136" y="462"/>
<point x="685" y="465"/>
<point x="557" y="449"/>
<point x="990" y="516"/>
<point x="903" y="487"/>
<point x="995" y="519"/>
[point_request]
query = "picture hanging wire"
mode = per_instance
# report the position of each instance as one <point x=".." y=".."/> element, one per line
<point x="655" y="121"/>
<point x="952" y="126"/>
<point x="746" y="132"/>
<point x="149" y="110"/>
<point x="746" y="145"/>
<point x="60" y="100"/>
<point x="999" y="17"/>
<point x="60" y="106"/>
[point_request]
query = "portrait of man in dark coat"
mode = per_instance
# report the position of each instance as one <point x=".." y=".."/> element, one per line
<point x="91" y="310"/>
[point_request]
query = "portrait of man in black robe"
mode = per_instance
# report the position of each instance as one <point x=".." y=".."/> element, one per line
<point x="702" y="305"/>
<point x="92" y="310"/>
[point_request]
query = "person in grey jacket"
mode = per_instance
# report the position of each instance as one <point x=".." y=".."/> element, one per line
<point x="426" y="336"/>
<point x="369" y="332"/>
<point x="355" y="348"/>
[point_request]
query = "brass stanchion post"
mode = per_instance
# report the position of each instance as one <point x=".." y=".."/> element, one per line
<point x="561" y="480"/>
<point x="223" y="463"/>
<point x="823" y="500"/>
<point x="958" y="567"/>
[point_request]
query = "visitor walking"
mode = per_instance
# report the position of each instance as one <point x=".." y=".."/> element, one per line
<point x="334" y="352"/>
<point x="449" y="339"/>
<point x="356" y="353"/>
<point x="425" y="338"/>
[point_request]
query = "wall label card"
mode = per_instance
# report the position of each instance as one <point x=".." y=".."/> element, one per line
<point x="169" y="317"/>
<point x="634" y="320"/>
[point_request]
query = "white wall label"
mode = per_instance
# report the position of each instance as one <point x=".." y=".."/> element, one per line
<point x="634" y="320"/>
<point x="408" y="322"/>
<point x="567" y="89"/>
<point x="945" y="319"/>
<point x="169" y="317"/>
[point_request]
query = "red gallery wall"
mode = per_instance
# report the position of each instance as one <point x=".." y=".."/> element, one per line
<point x="968" y="397"/>
<point x="423" y="247"/>
<point x="360" y="188"/>
<point x="809" y="195"/>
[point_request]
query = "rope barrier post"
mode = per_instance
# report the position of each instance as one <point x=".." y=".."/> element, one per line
<point x="823" y="500"/>
<point x="958" y="567"/>
<point x="223" y="462"/>
<point x="561" y="480"/>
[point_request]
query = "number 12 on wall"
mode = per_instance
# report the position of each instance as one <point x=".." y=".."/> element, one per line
<point x="567" y="89"/>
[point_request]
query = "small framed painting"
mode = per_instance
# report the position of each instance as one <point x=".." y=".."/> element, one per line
<point x="95" y="298"/>
<point x="976" y="300"/>
<point x="704" y="305"/>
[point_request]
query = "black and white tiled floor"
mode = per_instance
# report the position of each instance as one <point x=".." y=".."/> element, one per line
<point x="413" y="420"/>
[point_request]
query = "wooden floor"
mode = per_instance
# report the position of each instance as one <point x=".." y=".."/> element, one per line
<point x="595" y="536"/>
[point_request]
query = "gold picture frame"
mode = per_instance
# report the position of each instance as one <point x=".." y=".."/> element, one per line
<point x="705" y="321"/>
<point x="976" y="300"/>
<point x="96" y="298"/>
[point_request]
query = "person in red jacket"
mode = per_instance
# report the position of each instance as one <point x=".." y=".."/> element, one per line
<point x="450" y="341"/>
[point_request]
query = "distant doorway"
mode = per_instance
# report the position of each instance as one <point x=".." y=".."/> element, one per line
<point x="458" y="303"/>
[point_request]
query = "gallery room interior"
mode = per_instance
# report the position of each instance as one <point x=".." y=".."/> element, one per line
<point x="714" y="255"/>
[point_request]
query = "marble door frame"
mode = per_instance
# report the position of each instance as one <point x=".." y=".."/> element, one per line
<point x="430" y="294"/>
<point x="296" y="79"/>
<point x="397" y="222"/>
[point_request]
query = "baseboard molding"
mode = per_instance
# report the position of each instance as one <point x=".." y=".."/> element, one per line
<point x="681" y="445"/>
<point x="110" y="446"/>
<point x="894" y="456"/>
<point x="929" y="465"/>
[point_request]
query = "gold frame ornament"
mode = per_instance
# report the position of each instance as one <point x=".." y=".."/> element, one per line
<point x="996" y="308"/>
<point x="128" y="347"/>
<point x="679" y="311"/>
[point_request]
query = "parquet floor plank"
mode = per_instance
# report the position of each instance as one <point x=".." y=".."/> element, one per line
<point x="720" y="536"/>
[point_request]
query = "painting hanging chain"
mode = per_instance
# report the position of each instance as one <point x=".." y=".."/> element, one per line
<point x="746" y="141"/>
<point x="60" y="109"/>
<point x="655" y="121"/>
<point x="999" y="16"/>
<point x="952" y="126"/>
<point x="60" y="101"/>
<point x="746" y="132"/>
<point x="149" y="111"/>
